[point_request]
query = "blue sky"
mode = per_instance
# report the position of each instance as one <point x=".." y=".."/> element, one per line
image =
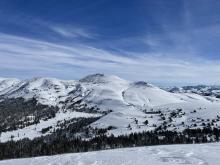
<point x="173" y="42"/>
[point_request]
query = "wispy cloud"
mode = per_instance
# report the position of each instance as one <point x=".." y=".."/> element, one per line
<point x="71" y="31"/>
<point x="62" y="61"/>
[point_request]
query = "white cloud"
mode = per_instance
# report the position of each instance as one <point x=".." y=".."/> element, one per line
<point x="21" y="54"/>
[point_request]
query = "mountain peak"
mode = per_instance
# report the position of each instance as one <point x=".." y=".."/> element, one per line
<point x="94" y="78"/>
<point x="100" y="78"/>
<point x="143" y="84"/>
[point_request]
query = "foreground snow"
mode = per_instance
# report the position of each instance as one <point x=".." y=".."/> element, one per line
<point x="195" y="154"/>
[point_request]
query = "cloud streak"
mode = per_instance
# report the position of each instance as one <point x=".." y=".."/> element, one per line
<point x="71" y="31"/>
<point x="41" y="58"/>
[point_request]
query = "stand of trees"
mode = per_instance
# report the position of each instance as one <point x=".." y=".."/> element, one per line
<point x="18" y="113"/>
<point x="51" y="145"/>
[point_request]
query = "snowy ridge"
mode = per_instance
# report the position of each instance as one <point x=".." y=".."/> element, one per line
<point x="46" y="90"/>
<point x="127" y="104"/>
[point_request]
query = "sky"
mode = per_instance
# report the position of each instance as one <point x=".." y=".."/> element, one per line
<point x="173" y="42"/>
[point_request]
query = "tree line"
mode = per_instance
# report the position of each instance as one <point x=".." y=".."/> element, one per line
<point x="51" y="145"/>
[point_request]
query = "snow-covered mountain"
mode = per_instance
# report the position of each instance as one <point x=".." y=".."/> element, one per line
<point x="107" y="102"/>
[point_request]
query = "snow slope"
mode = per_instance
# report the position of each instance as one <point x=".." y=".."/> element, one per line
<point x="144" y="94"/>
<point x="194" y="154"/>
<point x="34" y="131"/>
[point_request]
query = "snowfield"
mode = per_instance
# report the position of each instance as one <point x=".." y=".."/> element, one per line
<point x="190" y="154"/>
